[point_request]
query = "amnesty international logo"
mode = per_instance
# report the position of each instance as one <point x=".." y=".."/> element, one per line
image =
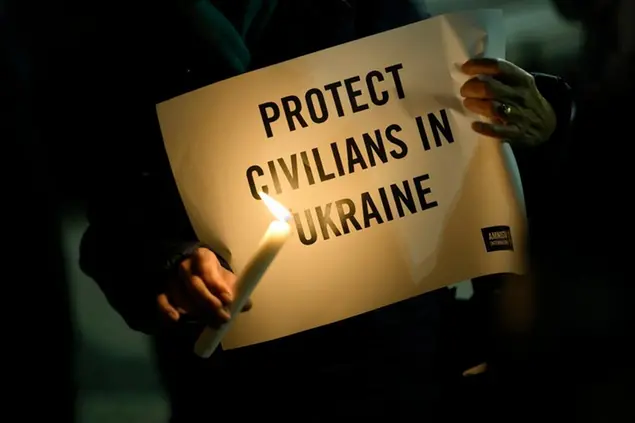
<point x="497" y="238"/>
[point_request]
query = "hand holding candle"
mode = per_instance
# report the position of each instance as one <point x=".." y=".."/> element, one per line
<point x="201" y="287"/>
<point x="275" y="237"/>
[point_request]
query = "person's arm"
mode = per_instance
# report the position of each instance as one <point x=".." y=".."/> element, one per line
<point x="139" y="231"/>
<point x="559" y="95"/>
<point x="138" y="234"/>
<point x="128" y="249"/>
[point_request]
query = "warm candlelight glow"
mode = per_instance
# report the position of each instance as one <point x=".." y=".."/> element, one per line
<point x="277" y="209"/>
<point x="274" y="239"/>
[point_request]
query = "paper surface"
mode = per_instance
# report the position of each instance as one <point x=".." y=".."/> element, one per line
<point x="462" y="209"/>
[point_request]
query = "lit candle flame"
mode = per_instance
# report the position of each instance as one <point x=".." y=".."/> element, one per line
<point x="277" y="209"/>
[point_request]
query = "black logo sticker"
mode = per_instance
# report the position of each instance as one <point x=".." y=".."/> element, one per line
<point x="497" y="238"/>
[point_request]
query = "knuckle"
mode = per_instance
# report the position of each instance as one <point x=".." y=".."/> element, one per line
<point x="217" y="304"/>
<point x="162" y="303"/>
<point x="217" y="284"/>
<point x="208" y="261"/>
<point x="206" y="256"/>
<point x="184" y="266"/>
<point x="228" y="275"/>
<point x="209" y="276"/>
<point x="197" y="282"/>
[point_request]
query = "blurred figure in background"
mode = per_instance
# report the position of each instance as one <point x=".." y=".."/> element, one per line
<point x="585" y="321"/>
<point x="571" y="354"/>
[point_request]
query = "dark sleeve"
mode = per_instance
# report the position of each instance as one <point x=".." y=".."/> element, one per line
<point x="375" y="16"/>
<point x="138" y="229"/>
<point x="133" y="241"/>
<point x="536" y="164"/>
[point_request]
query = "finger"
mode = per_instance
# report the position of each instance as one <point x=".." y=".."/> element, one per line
<point x="493" y="109"/>
<point x="210" y="302"/>
<point x="503" y="132"/>
<point x="230" y="280"/>
<point x="487" y="88"/>
<point x="210" y="271"/>
<point x="248" y="306"/>
<point x="198" y="295"/>
<point x="476" y="370"/>
<point x="480" y="66"/>
<point x="480" y="107"/>
<point x="167" y="309"/>
<point x="182" y="292"/>
<point x="476" y="88"/>
<point x="179" y="298"/>
<point x="499" y="68"/>
<point x="185" y="268"/>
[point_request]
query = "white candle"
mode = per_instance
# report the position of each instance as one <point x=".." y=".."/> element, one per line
<point x="276" y="235"/>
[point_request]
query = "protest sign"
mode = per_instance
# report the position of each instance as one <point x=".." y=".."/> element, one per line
<point x="369" y="145"/>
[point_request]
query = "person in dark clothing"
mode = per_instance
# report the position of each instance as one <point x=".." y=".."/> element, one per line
<point x="532" y="112"/>
<point x="583" y="284"/>
<point x="575" y="361"/>
<point x="384" y="364"/>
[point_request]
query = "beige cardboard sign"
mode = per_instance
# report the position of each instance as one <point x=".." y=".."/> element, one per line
<point x="368" y="144"/>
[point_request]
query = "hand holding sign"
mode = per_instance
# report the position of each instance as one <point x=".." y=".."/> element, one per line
<point x="203" y="289"/>
<point x="508" y="95"/>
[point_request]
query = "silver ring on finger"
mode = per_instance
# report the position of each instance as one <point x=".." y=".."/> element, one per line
<point x="504" y="110"/>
